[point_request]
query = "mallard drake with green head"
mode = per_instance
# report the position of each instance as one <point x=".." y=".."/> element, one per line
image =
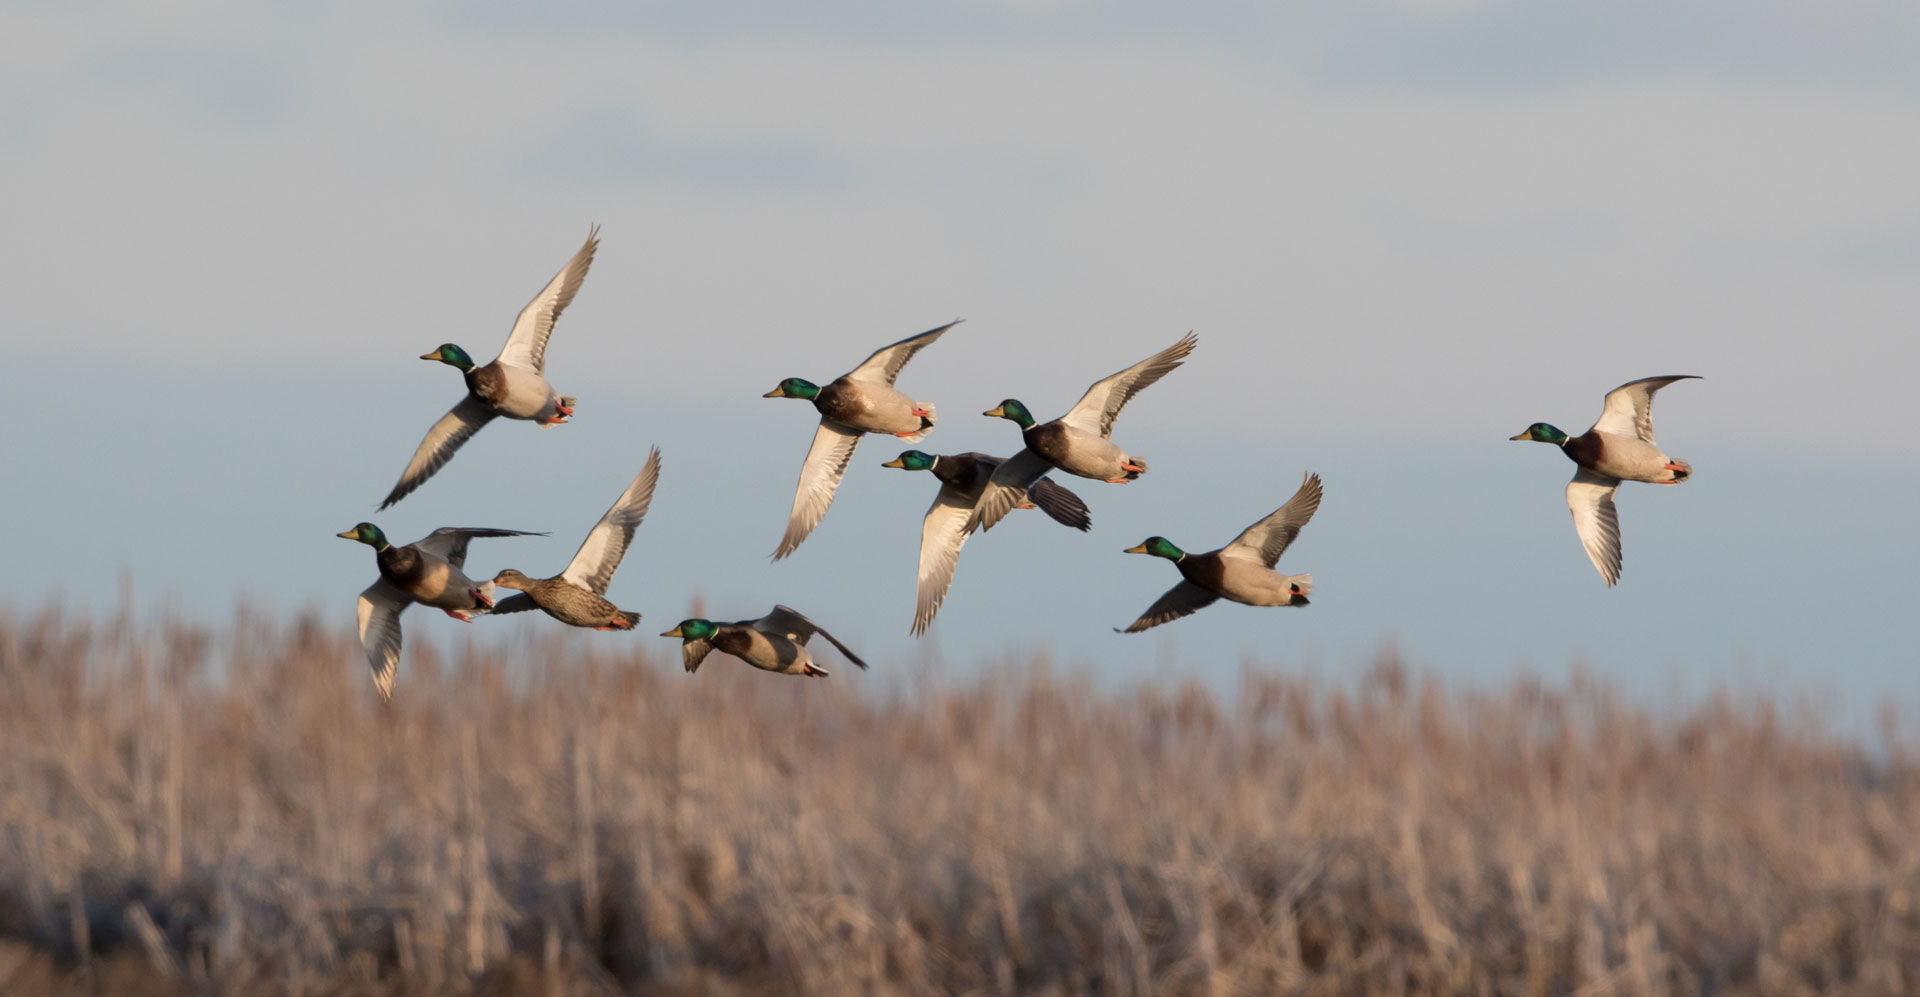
<point x="578" y="595"/>
<point x="860" y="401"/>
<point x="1079" y="442"/>
<point x="1241" y="571"/>
<point x="429" y="571"/>
<point x="963" y="477"/>
<point x="1619" y="447"/>
<point x="776" y="642"/>
<point x="514" y="385"/>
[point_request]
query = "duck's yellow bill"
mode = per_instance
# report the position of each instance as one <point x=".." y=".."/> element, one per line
<point x="776" y="393"/>
<point x="435" y="355"/>
<point x="896" y="462"/>
<point x="1522" y="436"/>
<point x="999" y="410"/>
<point x="675" y="632"/>
<point x="353" y="534"/>
<point x="1136" y="549"/>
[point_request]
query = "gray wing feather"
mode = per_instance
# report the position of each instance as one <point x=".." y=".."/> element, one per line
<point x="692" y="652"/>
<point x="826" y="464"/>
<point x="527" y="344"/>
<point x="1009" y="482"/>
<point x="1061" y="503"/>
<point x="1183" y="599"/>
<point x="942" y="533"/>
<point x="600" y="554"/>
<point x="449" y="543"/>
<point x="1590" y="497"/>
<point x="885" y="363"/>
<point x="788" y="621"/>
<point x="1267" y="539"/>
<point x="1096" y="410"/>
<point x="378" y="614"/>
<point x="446" y="436"/>
<point x="1629" y="407"/>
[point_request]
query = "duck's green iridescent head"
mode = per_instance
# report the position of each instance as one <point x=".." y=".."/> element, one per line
<point x="1541" y="432"/>
<point x="368" y="534"/>
<point x="794" y="387"/>
<point x="912" y="460"/>
<point x="1158" y="547"/>
<point x="694" y="629"/>
<point x="1012" y="409"/>
<point x="452" y="356"/>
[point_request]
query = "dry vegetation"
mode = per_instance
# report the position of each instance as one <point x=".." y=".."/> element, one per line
<point x="234" y="812"/>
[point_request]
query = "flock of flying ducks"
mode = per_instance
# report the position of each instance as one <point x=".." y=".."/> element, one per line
<point x="976" y="491"/>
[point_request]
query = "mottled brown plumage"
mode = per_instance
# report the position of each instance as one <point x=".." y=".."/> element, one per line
<point x="565" y="601"/>
<point x="577" y="596"/>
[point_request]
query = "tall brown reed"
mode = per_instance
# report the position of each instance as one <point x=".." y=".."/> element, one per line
<point x="188" y="811"/>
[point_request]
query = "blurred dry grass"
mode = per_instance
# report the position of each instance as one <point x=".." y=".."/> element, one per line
<point x="234" y="812"/>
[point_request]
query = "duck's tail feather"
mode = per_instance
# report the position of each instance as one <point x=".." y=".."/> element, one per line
<point x="926" y="422"/>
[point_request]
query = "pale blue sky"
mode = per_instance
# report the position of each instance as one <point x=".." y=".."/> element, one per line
<point x="1403" y="231"/>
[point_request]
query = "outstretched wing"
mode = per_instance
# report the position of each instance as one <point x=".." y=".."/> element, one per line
<point x="1009" y="482"/>
<point x="1060" y="503"/>
<point x="599" y="555"/>
<point x="788" y="621"/>
<point x="442" y="440"/>
<point x="942" y="534"/>
<point x="1097" y="408"/>
<point x="1590" y="496"/>
<point x="819" y="477"/>
<point x="450" y="542"/>
<point x="1183" y="599"/>
<point x="885" y="363"/>
<point x="1267" y="539"/>
<point x="1629" y="410"/>
<point x="379" y="615"/>
<point x="527" y="345"/>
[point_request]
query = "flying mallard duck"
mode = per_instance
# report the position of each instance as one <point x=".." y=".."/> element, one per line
<point x="428" y="571"/>
<point x="1619" y="447"/>
<point x="1078" y="442"/>
<point x="861" y="401"/>
<point x="1241" y="571"/>
<point x="513" y="385"/>
<point x="962" y="478"/>
<point x="577" y="596"/>
<point x="776" y="642"/>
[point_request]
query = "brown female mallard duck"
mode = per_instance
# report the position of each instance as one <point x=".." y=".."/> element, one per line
<point x="577" y="596"/>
